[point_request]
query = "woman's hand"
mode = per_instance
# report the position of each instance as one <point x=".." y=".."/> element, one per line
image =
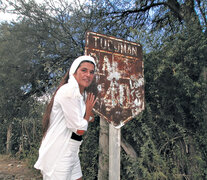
<point x="90" y="102"/>
<point x="89" y="116"/>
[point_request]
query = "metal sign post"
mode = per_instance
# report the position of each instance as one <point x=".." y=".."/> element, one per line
<point x="120" y="86"/>
<point x="114" y="152"/>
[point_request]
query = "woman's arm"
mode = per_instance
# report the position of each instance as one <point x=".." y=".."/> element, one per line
<point x="89" y="116"/>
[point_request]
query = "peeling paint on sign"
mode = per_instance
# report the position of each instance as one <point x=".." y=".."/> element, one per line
<point x="119" y="77"/>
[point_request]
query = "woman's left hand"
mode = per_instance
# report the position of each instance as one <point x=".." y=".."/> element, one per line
<point x="90" y="102"/>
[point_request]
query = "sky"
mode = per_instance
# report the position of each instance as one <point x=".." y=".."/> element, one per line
<point x="10" y="17"/>
<point x="5" y="16"/>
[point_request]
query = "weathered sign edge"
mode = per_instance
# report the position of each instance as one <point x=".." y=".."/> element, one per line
<point x="109" y="36"/>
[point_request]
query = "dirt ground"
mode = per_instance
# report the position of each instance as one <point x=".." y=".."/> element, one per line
<point x="14" y="169"/>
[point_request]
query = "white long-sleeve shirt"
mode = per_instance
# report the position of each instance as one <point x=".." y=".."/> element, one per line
<point x="67" y="116"/>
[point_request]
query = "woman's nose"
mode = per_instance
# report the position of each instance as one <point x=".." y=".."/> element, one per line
<point x="88" y="73"/>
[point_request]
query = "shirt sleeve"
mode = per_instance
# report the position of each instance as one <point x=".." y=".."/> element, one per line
<point x="74" y="113"/>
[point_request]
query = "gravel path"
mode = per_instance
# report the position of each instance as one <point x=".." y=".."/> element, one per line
<point x="13" y="169"/>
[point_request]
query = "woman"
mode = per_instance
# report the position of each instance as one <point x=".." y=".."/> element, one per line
<point x="65" y="121"/>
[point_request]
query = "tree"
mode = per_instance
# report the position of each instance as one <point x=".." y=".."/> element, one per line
<point x="183" y="46"/>
<point x="169" y="137"/>
<point x="19" y="75"/>
<point x="155" y="15"/>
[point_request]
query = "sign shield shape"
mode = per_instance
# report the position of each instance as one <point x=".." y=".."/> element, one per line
<point x="119" y="77"/>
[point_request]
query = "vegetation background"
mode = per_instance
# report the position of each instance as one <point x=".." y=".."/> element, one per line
<point x="169" y="138"/>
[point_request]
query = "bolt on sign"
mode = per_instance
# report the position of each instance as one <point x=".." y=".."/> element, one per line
<point x="119" y="77"/>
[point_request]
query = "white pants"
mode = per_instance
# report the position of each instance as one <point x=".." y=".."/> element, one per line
<point x="68" y="167"/>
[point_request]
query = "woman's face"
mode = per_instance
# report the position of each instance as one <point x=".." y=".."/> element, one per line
<point x="84" y="75"/>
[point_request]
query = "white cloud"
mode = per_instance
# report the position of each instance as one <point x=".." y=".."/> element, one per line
<point x="6" y="16"/>
<point x="12" y="17"/>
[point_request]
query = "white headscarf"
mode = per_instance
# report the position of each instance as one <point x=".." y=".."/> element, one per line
<point x="72" y="81"/>
<point x="77" y="62"/>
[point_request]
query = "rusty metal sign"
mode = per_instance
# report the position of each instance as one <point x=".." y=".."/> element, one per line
<point x="119" y="77"/>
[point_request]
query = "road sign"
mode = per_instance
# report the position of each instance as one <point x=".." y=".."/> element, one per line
<point x="119" y="77"/>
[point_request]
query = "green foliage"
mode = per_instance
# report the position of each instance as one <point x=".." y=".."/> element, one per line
<point x="169" y="136"/>
<point x="89" y="151"/>
<point x="3" y="132"/>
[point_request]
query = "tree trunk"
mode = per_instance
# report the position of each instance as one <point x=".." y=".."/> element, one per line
<point x="8" y="141"/>
<point x="204" y="74"/>
<point x="128" y="148"/>
<point x="21" y="146"/>
<point x="103" y="150"/>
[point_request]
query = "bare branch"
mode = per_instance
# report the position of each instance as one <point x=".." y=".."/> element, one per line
<point x="202" y="12"/>
<point x="142" y="9"/>
<point x="128" y="148"/>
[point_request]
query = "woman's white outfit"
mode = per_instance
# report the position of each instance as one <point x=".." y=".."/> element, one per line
<point x="58" y="153"/>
